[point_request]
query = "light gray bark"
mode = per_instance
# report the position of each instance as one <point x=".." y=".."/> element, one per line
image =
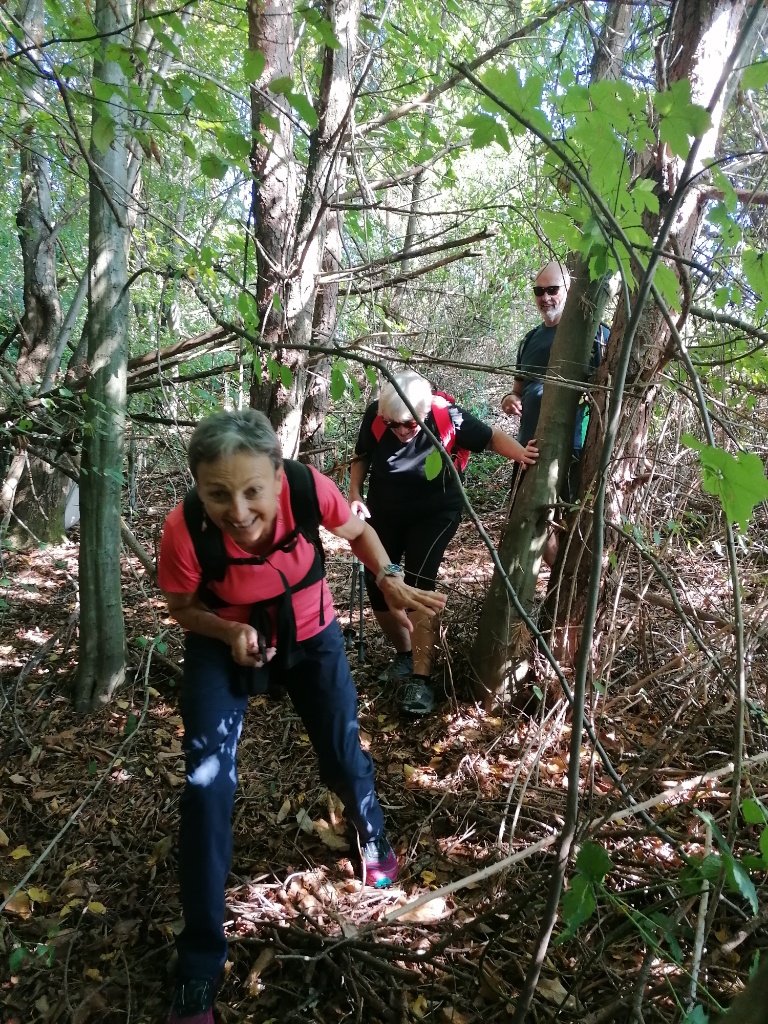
<point x="291" y="228"/>
<point x="102" y="633"/>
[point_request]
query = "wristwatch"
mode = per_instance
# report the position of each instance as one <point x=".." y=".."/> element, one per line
<point x="388" y="570"/>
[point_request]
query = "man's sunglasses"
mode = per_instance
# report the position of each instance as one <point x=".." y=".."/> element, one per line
<point x="405" y="425"/>
<point x="550" y="289"/>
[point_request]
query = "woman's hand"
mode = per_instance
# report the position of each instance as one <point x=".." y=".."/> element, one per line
<point x="530" y="453"/>
<point x="401" y="598"/>
<point x="248" y="647"/>
<point x="359" y="508"/>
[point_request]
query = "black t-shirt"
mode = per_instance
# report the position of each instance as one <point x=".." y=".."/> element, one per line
<point x="398" y="481"/>
<point x="532" y="363"/>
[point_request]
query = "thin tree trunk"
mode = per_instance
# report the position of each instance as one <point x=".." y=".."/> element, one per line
<point x="703" y="33"/>
<point x="34" y="491"/>
<point x="501" y="635"/>
<point x="102" y="632"/>
<point x="291" y="234"/>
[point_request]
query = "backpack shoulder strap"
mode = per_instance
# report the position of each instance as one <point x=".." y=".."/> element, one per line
<point x="206" y="538"/>
<point x="304" y="504"/>
<point x="523" y="343"/>
<point x="443" y="421"/>
<point x="378" y="426"/>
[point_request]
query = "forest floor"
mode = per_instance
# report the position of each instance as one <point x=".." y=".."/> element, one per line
<point x="88" y="817"/>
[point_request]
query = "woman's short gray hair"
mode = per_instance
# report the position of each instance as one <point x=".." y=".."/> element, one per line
<point x="237" y="430"/>
<point x="415" y="388"/>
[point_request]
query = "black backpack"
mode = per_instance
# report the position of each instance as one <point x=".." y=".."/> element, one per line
<point x="211" y="554"/>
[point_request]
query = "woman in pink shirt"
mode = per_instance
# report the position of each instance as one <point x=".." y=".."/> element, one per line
<point x="271" y="614"/>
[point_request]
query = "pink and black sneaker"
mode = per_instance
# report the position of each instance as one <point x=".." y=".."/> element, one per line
<point x="193" y="1002"/>
<point x="377" y="862"/>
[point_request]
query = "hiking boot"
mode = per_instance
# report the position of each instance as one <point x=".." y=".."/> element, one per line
<point x="377" y="861"/>
<point x="418" y="698"/>
<point x="193" y="1002"/>
<point x="399" y="668"/>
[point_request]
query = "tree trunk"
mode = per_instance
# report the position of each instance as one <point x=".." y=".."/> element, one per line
<point x="291" y="234"/>
<point x="102" y="632"/>
<point x="702" y="35"/>
<point x="35" y="492"/>
<point x="501" y="635"/>
<point x="500" y="654"/>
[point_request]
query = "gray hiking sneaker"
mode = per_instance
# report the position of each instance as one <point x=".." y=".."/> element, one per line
<point x="400" y="667"/>
<point x="418" y="698"/>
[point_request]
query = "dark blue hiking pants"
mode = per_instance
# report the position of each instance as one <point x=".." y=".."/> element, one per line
<point x="325" y="698"/>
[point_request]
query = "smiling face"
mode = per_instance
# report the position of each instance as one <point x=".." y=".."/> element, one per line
<point x="551" y="306"/>
<point x="240" y="494"/>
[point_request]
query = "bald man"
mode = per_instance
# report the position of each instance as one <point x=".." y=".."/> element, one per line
<point x="550" y="289"/>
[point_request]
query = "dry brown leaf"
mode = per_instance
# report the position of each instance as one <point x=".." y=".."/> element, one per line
<point x="450" y="1015"/>
<point x="335" y="812"/>
<point x="19" y="904"/>
<point x="284" y="811"/>
<point x="160" y="850"/>
<point x="4" y="840"/>
<point x="435" y="910"/>
<point x="553" y="991"/>
<point x="329" y="837"/>
<point x="253" y="981"/>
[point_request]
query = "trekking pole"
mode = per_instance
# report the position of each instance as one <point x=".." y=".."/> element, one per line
<point x="356" y="594"/>
<point x="361" y="585"/>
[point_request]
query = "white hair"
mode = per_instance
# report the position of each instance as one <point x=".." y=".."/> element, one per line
<point x="415" y="388"/>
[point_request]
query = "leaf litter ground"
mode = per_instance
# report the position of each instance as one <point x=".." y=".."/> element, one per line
<point x="91" y="803"/>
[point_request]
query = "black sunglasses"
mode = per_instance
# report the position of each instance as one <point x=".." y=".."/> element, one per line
<point x="405" y="425"/>
<point x="550" y="289"/>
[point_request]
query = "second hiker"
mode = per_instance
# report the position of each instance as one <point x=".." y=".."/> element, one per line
<point x="414" y="516"/>
<point x="242" y="570"/>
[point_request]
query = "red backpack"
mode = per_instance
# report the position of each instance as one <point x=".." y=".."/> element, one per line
<point x="445" y="428"/>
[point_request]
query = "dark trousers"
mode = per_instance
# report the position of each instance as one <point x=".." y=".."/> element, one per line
<point x="419" y="540"/>
<point x="324" y="696"/>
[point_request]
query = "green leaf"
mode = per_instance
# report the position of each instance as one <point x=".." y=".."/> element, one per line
<point x="213" y="166"/>
<point x="695" y="1016"/>
<point x="739" y="482"/>
<point x="281" y="85"/>
<point x="188" y="147"/>
<point x="322" y="27"/>
<point x="254" y="63"/>
<point x="578" y="905"/>
<point x="269" y="121"/>
<point x="286" y="377"/>
<point x="433" y="464"/>
<point x="755" y="76"/>
<point x="764" y="844"/>
<point x="131" y="724"/>
<point x="681" y="120"/>
<point x="17" y="959"/>
<point x="593" y="862"/>
<point x="740" y="882"/>
<point x="370" y="373"/>
<point x="666" y="281"/>
<point x="754" y="812"/>
<point x="303" y="107"/>
<point x="755" y="265"/>
<point x="103" y="134"/>
<point x="338" y="382"/>
<point x="485" y="130"/>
